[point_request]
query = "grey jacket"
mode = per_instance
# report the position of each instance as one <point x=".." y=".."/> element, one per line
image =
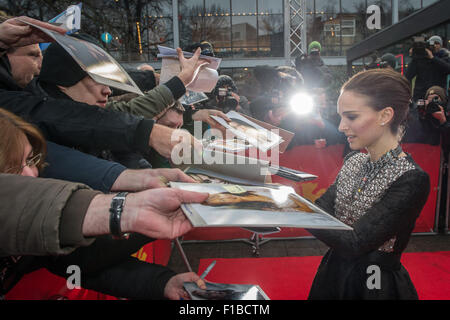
<point x="42" y="216"/>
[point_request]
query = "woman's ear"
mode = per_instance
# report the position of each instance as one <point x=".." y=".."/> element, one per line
<point x="386" y="116"/>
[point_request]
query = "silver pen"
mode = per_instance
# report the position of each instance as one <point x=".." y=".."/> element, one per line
<point x="205" y="273"/>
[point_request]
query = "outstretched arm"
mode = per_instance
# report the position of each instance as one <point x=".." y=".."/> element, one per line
<point x="397" y="210"/>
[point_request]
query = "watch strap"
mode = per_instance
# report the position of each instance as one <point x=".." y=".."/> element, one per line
<point x="116" y="209"/>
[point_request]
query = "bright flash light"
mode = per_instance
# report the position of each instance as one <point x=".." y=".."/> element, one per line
<point x="301" y="103"/>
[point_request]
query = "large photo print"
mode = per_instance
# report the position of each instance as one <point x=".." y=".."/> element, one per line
<point x="255" y="206"/>
<point x="95" y="61"/>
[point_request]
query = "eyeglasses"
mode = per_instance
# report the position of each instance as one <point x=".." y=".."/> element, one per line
<point x="32" y="162"/>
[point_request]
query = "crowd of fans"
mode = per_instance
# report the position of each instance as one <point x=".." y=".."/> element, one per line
<point x="57" y="122"/>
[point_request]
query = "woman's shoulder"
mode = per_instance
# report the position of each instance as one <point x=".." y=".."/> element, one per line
<point x="415" y="172"/>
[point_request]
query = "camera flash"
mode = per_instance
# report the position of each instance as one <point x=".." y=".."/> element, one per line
<point x="301" y="103"/>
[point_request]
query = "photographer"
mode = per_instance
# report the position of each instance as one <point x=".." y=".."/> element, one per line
<point x="430" y="65"/>
<point x="277" y="86"/>
<point x="427" y="118"/>
<point x="313" y="68"/>
<point x="436" y="105"/>
<point x="387" y="60"/>
<point x="440" y="52"/>
<point x="225" y="97"/>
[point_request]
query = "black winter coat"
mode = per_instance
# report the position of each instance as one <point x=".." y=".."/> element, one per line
<point x="428" y="73"/>
<point x="74" y="124"/>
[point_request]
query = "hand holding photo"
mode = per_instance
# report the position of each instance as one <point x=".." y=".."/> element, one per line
<point x="247" y="130"/>
<point x="205" y="77"/>
<point x="254" y="206"/>
<point x="222" y="291"/>
<point x="95" y="61"/>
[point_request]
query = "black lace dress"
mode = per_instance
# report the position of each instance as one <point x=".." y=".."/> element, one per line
<point x="381" y="201"/>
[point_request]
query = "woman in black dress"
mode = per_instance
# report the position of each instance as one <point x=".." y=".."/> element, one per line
<point x="379" y="193"/>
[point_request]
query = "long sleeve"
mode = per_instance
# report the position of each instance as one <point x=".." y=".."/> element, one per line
<point x="443" y="65"/>
<point x="411" y="72"/>
<point x="35" y="210"/>
<point x="75" y="124"/>
<point x="72" y="165"/>
<point x="130" y="278"/>
<point x="104" y="252"/>
<point x="151" y="104"/>
<point x="326" y="201"/>
<point x="394" y="214"/>
<point x="154" y="102"/>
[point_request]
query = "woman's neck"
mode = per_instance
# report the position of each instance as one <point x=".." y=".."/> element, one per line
<point x="380" y="148"/>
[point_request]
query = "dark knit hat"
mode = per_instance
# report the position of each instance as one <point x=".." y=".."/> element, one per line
<point x="59" y="68"/>
<point x="390" y="59"/>
<point x="224" y="80"/>
<point x="439" y="91"/>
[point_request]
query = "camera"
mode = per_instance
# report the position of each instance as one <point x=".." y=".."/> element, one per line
<point x="377" y="64"/>
<point x="425" y="111"/>
<point x="225" y="99"/>
<point x="419" y="48"/>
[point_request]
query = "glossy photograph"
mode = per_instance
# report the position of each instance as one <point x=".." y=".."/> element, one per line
<point x="222" y="291"/>
<point x="254" y="206"/>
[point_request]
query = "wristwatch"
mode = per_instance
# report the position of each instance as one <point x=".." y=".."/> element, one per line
<point x="115" y="211"/>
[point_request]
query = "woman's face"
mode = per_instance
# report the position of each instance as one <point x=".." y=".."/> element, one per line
<point x="28" y="170"/>
<point x="360" y="123"/>
<point x="89" y="91"/>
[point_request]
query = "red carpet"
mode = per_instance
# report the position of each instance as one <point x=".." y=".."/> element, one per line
<point x="290" y="278"/>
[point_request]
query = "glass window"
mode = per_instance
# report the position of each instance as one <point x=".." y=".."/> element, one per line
<point x="191" y="21"/>
<point x="271" y="35"/>
<point x="244" y="36"/>
<point x="325" y="27"/>
<point x="160" y="32"/>
<point x="309" y="20"/>
<point x="241" y="7"/>
<point x="330" y="7"/>
<point x="270" y="6"/>
<point x="348" y="28"/>
<point x="353" y="23"/>
<point x="217" y="7"/>
<point x="235" y="28"/>
<point x="157" y="27"/>
<point x="405" y="8"/>
<point x="190" y="7"/>
<point x="217" y="30"/>
<point x="426" y="3"/>
<point x="163" y="8"/>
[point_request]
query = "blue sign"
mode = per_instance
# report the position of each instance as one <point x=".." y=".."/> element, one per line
<point x="106" y="37"/>
<point x="69" y="19"/>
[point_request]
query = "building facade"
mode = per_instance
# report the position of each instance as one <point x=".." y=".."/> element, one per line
<point x="249" y="32"/>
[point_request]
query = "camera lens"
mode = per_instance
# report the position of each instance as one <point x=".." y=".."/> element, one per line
<point x="230" y="104"/>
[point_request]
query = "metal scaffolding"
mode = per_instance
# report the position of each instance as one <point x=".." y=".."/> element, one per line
<point x="297" y="27"/>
